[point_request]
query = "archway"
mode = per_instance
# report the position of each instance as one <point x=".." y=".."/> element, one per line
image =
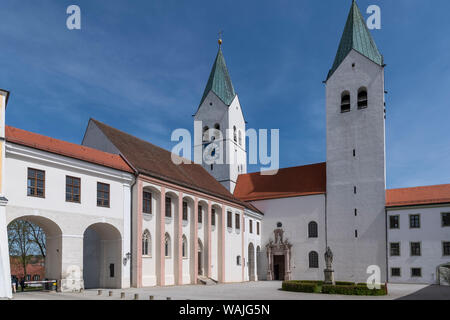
<point x="102" y="248"/>
<point x="443" y="272"/>
<point x="200" y="258"/>
<point x="251" y="262"/>
<point x="35" y="253"/>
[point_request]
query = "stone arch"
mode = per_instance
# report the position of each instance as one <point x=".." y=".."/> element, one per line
<point x="102" y="256"/>
<point x="54" y="248"/>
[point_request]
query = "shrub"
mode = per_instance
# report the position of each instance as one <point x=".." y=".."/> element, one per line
<point x="344" y="283"/>
<point x="300" y="286"/>
<point x="357" y="290"/>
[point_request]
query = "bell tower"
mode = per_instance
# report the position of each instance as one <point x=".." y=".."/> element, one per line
<point x="355" y="113"/>
<point x="219" y="127"/>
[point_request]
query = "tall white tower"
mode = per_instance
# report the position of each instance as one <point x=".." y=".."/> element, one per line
<point x="219" y="121"/>
<point x="355" y="111"/>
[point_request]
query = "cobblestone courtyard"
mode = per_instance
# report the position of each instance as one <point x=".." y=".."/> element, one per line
<point x="263" y="290"/>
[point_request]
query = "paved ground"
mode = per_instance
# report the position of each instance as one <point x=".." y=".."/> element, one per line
<point x="263" y="290"/>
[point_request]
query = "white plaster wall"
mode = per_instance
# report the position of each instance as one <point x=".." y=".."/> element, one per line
<point x="295" y="214"/>
<point x="431" y="234"/>
<point x="253" y="238"/>
<point x="364" y="131"/>
<point x="72" y="218"/>
<point x="233" y="248"/>
<point x="148" y="261"/>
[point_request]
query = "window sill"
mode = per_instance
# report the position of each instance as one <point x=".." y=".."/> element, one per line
<point x="75" y="202"/>
<point x="39" y="197"/>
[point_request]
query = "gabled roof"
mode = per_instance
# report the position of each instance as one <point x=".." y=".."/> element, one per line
<point x="356" y="36"/>
<point x="437" y="194"/>
<point x="156" y="162"/>
<point x="63" y="148"/>
<point x="219" y="81"/>
<point x="288" y="182"/>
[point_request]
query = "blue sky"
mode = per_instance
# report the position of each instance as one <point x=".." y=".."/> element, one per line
<point x="142" y="65"/>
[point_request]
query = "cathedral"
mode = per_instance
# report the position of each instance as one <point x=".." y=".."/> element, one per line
<point x="119" y="213"/>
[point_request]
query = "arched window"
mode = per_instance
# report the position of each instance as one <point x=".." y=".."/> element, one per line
<point x="312" y="230"/>
<point x="313" y="259"/>
<point x="146" y="243"/>
<point x="184" y="247"/>
<point x="240" y="138"/>
<point x="167" y="245"/>
<point x="234" y="134"/>
<point x="362" y="98"/>
<point x="345" y="101"/>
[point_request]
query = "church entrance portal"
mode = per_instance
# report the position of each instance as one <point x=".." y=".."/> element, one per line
<point x="279" y="256"/>
<point x="278" y="267"/>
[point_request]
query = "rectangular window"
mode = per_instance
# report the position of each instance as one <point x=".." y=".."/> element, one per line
<point x="257" y="228"/>
<point x="200" y="214"/>
<point x="168" y="207"/>
<point x="36" y="183"/>
<point x="445" y="219"/>
<point x="415" y="249"/>
<point x="238" y="221"/>
<point x="446" y="248"/>
<point x="394" y="222"/>
<point x="356" y="212"/>
<point x="185" y="211"/>
<point x="354" y="189"/>
<point x="102" y="195"/>
<point x="250" y="226"/>
<point x="73" y="189"/>
<point x="356" y="233"/>
<point x="213" y="217"/>
<point x="147" y="202"/>
<point x="395" y="249"/>
<point x="416" y="272"/>
<point x="395" y="272"/>
<point x="111" y="270"/>
<point x="414" y="221"/>
<point x="229" y="219"/>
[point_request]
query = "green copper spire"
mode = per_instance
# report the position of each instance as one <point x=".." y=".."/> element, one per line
<point x="219" y="81"/>
<point x="356" y="36"/>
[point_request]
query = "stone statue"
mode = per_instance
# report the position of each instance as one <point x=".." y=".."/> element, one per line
<point x="328" y="258"/>
<point x="278" y="236"/>
<point x="328" y="272"/>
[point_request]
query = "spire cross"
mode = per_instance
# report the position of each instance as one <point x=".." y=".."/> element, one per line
<point x="220" y="34"/>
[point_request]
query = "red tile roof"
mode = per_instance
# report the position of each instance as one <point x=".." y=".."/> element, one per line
<point x="156" y="162"/>
<point x="418" y="196"/>
<point x="288" y="182"/>
<point x="44" y="143"/>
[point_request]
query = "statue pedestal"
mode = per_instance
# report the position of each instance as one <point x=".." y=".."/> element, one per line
<point x="329" y="276"/>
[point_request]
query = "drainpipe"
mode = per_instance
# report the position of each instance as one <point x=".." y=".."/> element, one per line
<point x="136" y="175"/>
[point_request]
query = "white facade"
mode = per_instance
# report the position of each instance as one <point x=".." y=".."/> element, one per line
<point x="294" y="214"/>
<point x="83" y="240"/>
<point x="431" y="234"/>
<point x="214" y="113"/>
<point x="356" y="169"/>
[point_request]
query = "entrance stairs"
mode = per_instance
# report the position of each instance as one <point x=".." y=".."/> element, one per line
<point x="206" y="281"/>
